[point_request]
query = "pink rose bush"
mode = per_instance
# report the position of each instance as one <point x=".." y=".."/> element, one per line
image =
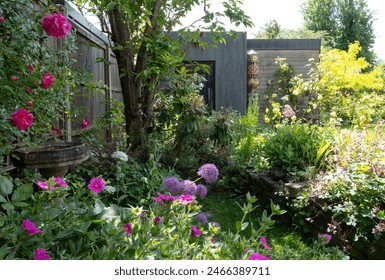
<point x="22" y="119"/>
<point x="47" y="80"/>
<point x="56" y="25"/>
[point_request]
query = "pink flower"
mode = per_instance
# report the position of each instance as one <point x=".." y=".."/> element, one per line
<point x="264" y="243"/>
<point x="56" y="130"/>
<point x="85" y="123"/>
<point x="41" y="254"/>
<point x="22" y="119"/>
<point x="96" y="185"/>
<point x="30" y="67"/>
<point x="56" y="25"/>
<point x="157" y="220"/>
<point x="186" y="199"/>
<point x="13" y="78"/>
<point x="60" y="182"/>
<point x="47" y="80"/>
<point x="195" y="231"/>
<point x="29" y="103"/>
<point x="162" y="198"/>
<point x="30" y="227"/>
<point x="2" y="19"/>
<point x="325" y="238"/>
<point x="29" y="89"/>
<point x="128" y="229"/>
<point x="42" y="185"/>
<point x="256" y="256"/>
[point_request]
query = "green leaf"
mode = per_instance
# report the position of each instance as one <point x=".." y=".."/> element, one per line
<point x="20" y="204"/>
<point x="2" y="199"/>
<point x="8" y="206"/>
<point x="6" y="186"/>
<point x="238" y="225"/>
<point x="22" y="193"/>
<point x="98" y="207"/>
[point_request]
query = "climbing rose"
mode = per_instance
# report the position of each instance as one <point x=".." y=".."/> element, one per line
<point x="209" y="172"/>
<point x="188" y="187"/>
<point x="195" y="231"/>
<point x="96" y="185"/>
<point x="22" y="119"/>
<point x="172" y="185"/>
<point x="29" y="103"/>
<point x="47" y="80"/>
<point x="13" y="78"/>
<point x="30" y="227"/>
<point x="128" y="228"/>
<point x="201" y="191"/>
<point x="2" y="19"/>
<point x="56" y="25"/>
<point x="41" y="254"/>
<point x="256" y="256"/>
<point x="85" y="123"/>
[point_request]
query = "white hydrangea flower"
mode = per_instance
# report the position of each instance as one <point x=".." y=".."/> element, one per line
<point x="120" y="155"/>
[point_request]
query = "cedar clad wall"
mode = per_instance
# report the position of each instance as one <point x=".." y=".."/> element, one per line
<point x="296" y="51"/>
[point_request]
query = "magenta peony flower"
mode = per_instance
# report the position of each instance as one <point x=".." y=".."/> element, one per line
<point x="209" y="172"/>
<point x="85" y="123"/>
<point x="195" y="231"/>
<point x="41" y="254"/>
<point x="162" y="198"/>
<point x="30" y="227"/>
<point x="60" y="182"/>
<point x="56" y="25"/>
<point x="47" y="80"/>
<point x="256" y="256"/>
<point x="96" y="185"/>
<point x="22" y="119"/>
<point x="172" y="185"/>
<point x="128" y="229"/>
<point x="201" y="191"/>
<point x="263" y="241"/>
<point x="188" y="187"/>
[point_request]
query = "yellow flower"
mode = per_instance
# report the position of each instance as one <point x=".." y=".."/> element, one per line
<point x="314" y="106"/>
<point x="267" y="110"/>
<point x="333" y="114"/>
<point x="267" y="120"/>
<point x="276" y="111"/>
<point x="332" y="121"/>
<point x="274" y="95"/>
<point x="320" y="97"/>
<point x="366" y="99"/>
<point x="293" y="118"/>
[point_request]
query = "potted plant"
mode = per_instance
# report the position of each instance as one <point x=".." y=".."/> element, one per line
<point x="37" y="83"/>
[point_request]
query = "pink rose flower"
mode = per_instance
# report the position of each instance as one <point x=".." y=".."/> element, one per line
<point x="13" y="78"/>
<point x="56" y="25"/>
<point x="30" y="67"/>
<point x="29" y="103"/>
<point x="22" y="119"/>
<point x="85" y="123"/>
<point x="2" y="19"/>
<point x="47" y="80"/>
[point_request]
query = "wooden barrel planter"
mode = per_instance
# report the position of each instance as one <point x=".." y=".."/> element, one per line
<point x="51" y="159"/>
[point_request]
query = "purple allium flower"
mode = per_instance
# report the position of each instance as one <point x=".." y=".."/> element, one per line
<point x="186" y="199"/>
<point x="256" y="256"/>
<point x="30" y="227"/>
<point x="41" y="254"/>
<point x="195" y="231"/>
<point x="209" y="172"/>
<point x="188" y="187"/>
<point x="325" y="238"/>
<point x="157" y="220"/>
<point x="96" y="185"/>
<point x="172" y="185"/>
<point x="263" y="241"/>
<point x="128" y="229"/>
<point x="201" y="191"/>
<point x="201" y="218"/>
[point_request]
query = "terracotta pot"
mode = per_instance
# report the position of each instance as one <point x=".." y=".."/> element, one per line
<point x="51" y="159"/>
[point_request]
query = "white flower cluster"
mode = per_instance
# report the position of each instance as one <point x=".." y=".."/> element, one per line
<point x="120" y="156"/>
